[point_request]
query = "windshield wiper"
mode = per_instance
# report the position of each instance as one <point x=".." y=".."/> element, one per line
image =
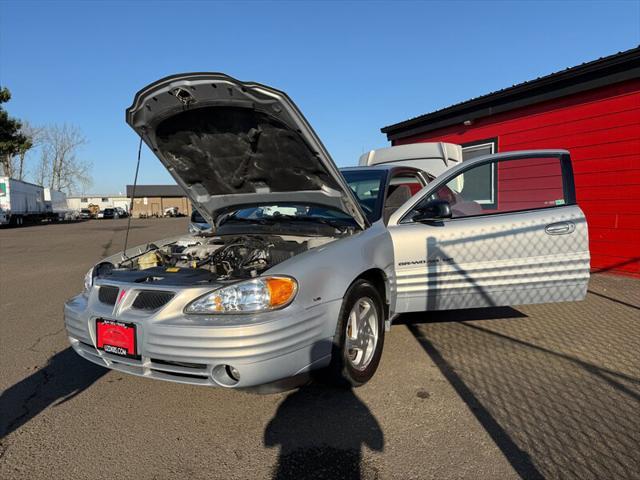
<point x="261" y="221"/>
<point x="325" y="221"/>
<point x="340" y="226"/>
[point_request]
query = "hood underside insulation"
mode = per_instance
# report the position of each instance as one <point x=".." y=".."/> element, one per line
<point x="235" y="150"/>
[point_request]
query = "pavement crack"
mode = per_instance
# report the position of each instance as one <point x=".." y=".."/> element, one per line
<point x="26" y="410"/>
<point x="33" y="346"/>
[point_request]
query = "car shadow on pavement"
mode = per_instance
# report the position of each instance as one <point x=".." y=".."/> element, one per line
<point x="612" y="299"/>
<point x="552" y="413"/>
<point x="321" y="431"/>
<point x="519" y="459"/>
<point x="63" y="377"/>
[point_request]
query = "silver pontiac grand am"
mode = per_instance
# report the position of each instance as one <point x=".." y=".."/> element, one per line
<point x="306" y="266"/>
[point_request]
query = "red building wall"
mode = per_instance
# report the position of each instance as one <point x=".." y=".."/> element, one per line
<point x="601" y="129"/>
<point x="529" y="183"/>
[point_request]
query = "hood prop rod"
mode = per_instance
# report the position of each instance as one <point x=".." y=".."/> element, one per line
<point x="133" y="196"/>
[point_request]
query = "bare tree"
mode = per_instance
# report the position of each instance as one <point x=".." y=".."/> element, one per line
<point x="42" y="173"/>
<point x="33" y="136"/>
<point x="59" y="166"/>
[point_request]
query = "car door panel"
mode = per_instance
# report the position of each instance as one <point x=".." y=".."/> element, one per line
<point x="510" y="258"/>
<point x="491" y="261"/>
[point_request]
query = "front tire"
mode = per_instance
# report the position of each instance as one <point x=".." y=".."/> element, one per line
<point x="359" y="337"/>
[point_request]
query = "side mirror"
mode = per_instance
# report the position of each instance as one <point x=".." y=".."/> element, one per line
<point x="433" y="210"/>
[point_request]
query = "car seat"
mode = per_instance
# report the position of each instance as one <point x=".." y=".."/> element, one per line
<point x="398" y="195"/>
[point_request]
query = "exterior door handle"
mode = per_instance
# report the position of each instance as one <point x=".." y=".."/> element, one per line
<point x="560" y="228"/>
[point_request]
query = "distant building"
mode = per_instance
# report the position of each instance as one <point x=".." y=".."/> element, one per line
<point x="76" y="202"/>
<point x="153" y="200"/>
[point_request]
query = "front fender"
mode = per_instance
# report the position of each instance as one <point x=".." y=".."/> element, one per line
<point x="325" y="273"/>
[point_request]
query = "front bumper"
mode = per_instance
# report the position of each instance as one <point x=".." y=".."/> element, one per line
<point x="194" y="349"/>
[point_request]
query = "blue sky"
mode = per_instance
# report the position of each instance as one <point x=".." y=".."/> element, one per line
<point x="352" y="67"/>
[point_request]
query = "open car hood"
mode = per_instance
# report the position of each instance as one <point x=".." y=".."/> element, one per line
<point x="229" y="143"/>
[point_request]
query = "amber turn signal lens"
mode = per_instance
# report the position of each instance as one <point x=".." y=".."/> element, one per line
<point x="281" y="290"/>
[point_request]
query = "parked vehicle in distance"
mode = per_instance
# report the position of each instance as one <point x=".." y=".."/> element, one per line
<point x="72" y="215"/>
<point x="110" y="213"/>
<point x="198" y="224"/>
<point x="309" y="265"/>
<point x="100" y="215"/>
<point x="56" y="205"/>
<point x="85" y="214"/>
<point x="173" y="212"/>
<point x="94" y="209"/>
<point x="122" y="213"/>
<point x="21" y="202"/>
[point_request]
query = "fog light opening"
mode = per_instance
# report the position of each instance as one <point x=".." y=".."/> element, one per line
<point x="225" y="375"/>
<point x="233" y="373"/>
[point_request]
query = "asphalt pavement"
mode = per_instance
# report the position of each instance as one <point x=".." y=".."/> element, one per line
<point x="544" y="391"/>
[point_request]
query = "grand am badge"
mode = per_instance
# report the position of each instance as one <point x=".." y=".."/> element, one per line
<point x="430" y="261"/>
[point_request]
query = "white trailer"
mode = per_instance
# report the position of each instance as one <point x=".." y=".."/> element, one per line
<point x="21" y="202"/>
<point x="57" y="206"/>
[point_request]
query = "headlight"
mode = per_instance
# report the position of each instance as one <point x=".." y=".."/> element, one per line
<point x="88" y="281"/>
<point x="256" y="295"/>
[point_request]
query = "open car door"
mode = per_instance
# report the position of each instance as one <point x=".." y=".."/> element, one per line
<point x="514" y="235"/>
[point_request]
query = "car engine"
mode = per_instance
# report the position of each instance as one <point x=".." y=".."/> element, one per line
<point x="205" y="259"/>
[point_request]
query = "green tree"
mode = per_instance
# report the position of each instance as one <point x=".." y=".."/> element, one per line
<point x="12" y="141"/>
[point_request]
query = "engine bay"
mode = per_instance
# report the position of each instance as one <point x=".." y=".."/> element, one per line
<point x="199" y="259"/>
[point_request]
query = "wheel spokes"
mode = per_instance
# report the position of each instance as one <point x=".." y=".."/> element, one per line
<point x="364" y="313"/>
<point x="352" y="328"/>
<point x="361" y="334"/>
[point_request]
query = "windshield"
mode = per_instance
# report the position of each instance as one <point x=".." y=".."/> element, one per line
<point x="368" y="186"/>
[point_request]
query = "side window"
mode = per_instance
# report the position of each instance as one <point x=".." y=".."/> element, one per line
<point x="520" y="184"/>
